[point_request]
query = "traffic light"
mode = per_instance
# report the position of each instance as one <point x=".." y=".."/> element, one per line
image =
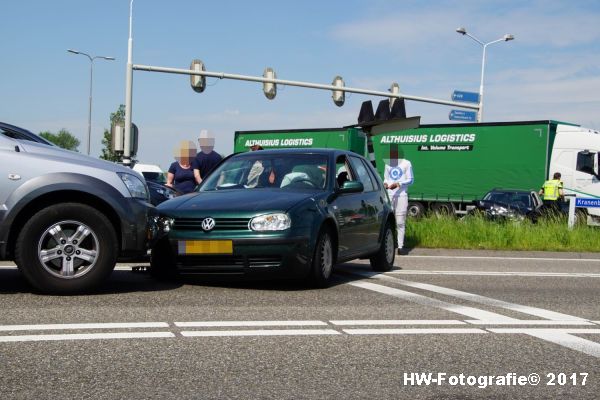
<point x="269" y="88"/>
<point x="198" y="82"/>
<point x="338" y="96"/>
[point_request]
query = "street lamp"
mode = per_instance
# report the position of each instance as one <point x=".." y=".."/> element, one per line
<point x="91" y="58"/>
<point x="505" y="38"/>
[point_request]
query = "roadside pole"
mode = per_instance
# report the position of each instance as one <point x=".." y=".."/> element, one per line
<point x="571" y="220"/>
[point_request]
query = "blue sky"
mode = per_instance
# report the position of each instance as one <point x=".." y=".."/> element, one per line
<point x="550" y="71"/>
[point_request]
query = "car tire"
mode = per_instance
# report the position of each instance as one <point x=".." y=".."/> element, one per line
<point x="66" y="248"/>
<point x="322" y="265"/>
<point x="383" y="260"/>
<point x="162" y="266"/>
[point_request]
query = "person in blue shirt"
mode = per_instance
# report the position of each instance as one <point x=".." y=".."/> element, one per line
<point x="207" y="158"/>
<point x="181" y="173"/>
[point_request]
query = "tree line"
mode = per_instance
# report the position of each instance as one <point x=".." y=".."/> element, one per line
<point x="65" y="139"/>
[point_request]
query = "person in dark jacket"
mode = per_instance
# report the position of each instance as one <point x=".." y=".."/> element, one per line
<point x="207" y="158"/>
<point x="181" y="173"/>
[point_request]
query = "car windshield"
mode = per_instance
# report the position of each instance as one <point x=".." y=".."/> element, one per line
<point x="24" y="135"/>
<point x="259" y="170"/>
<point x="511" y="198"/>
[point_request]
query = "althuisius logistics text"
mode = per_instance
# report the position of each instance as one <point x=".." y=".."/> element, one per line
<point x="432" y="138"/>
<point x="434" y="141"/>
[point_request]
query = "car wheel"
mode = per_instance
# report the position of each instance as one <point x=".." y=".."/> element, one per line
<point x="323" y="260"/>
<point x="66" y="248"/>
<point x="162" y="265"/>
<point x="383" y="260"/>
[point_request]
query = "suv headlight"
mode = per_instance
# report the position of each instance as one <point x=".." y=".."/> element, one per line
<point x="271" y="222"/>
<point x="136" y="187"/>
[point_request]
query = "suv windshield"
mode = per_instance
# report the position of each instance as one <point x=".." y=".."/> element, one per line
<point x="269" y="171"/>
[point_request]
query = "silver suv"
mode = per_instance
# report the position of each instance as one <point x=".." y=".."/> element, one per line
<point x="66" y="217"/>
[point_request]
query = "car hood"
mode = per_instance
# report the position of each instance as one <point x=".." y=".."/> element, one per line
<point x="241" y="201"/>
<point x="488" y="204"/>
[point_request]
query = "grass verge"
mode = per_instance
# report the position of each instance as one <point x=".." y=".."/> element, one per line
<point x="475" y="232"/>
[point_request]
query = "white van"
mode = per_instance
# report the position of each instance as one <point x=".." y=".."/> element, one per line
<point x="151" y="172"/>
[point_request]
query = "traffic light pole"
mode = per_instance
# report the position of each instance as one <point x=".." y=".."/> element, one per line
<point x="394" y="92"/>
<point x="223" y="75"/>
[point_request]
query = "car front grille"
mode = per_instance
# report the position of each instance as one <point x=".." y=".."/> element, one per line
<point x="221" y="224"/>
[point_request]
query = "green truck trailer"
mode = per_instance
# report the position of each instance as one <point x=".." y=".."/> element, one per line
<point x="454" y="164"/>
<point x="352" y="139"/>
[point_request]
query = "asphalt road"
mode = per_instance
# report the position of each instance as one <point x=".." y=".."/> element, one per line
<point x="482" y="324"/>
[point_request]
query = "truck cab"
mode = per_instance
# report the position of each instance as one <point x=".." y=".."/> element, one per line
<point x="575" y="155"/>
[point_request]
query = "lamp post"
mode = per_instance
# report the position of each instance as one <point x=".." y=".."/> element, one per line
<point x="505" y="38"/>
<point x="91" y="58"/>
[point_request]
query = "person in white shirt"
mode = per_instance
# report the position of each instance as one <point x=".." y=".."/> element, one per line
<point x="396" y="178"/>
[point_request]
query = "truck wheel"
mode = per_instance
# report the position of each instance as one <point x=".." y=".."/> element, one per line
<point x="443" y="209"/>
<point x="415" y="210"/>
<point x="383" y="260"/>
<point x="66" y="248"/>
<point x="322" y="260"/>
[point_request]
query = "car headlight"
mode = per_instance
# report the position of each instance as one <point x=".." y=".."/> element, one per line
<point x="271" y="222"/>
<point x="163" y="223"/>
<point x="498" y="210"/>
<point x="136" y="187"/>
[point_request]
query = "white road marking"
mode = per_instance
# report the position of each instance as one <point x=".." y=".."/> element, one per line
<point x="500" y="258"/>
<point x="429" y="302"/>
<point x="416" y="331"/>
<point x="562" y="337"/>
<point x="398" y="322"/>
<point x="87" y="336"/>
<point x="261" y="332"/>
<point x="105" y="325"/>
<point x="538" y="312"/>
<point x="498" y="273"/>
<point x="530" y="322"/>
<point x="200" y="324"/>
<point x="545" y="330"/>
<point x="488" y="301"/>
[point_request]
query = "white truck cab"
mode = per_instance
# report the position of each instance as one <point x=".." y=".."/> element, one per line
<point x="575" y="155"/>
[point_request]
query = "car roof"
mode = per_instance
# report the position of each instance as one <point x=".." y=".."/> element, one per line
<point x="511" y="190"/>
<point x="147" y="168"/>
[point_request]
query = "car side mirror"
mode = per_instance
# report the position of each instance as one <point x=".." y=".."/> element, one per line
<point x="351" y="187"/>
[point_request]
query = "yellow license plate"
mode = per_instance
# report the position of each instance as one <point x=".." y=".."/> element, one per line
<point x="188" y="247"/>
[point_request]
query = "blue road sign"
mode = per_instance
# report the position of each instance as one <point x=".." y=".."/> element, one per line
<point x="587" y="202"/>
<point x="467" y="97"/>
<point x="462" y="115"/>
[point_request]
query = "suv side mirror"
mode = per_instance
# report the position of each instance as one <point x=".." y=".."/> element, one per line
<point x="351" y="187"/>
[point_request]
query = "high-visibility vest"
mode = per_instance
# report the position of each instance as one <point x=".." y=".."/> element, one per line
<point x="551" y="189"/>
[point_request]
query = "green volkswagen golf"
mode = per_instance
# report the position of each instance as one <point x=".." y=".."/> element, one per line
<point x="291" y="213"/>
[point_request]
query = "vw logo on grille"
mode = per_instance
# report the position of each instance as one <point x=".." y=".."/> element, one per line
<point x="208" y="224"/>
